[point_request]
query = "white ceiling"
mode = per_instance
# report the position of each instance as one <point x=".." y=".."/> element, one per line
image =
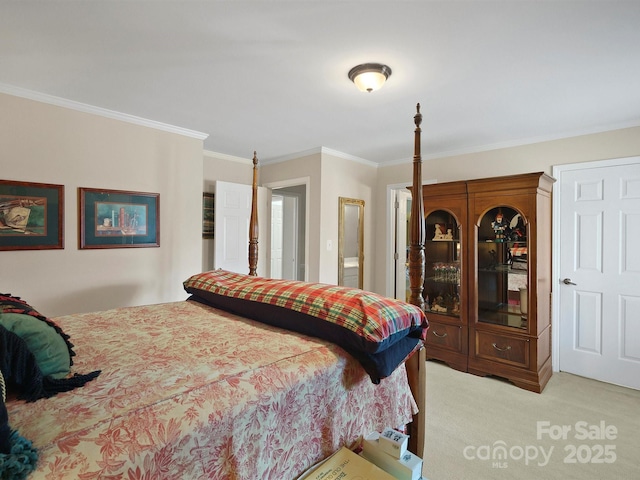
<point x="271" y="76"/>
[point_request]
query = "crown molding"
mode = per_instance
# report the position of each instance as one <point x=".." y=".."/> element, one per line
<point x="293" y="156"/>
<point x="346" y="156"/>
<point x="321" y="151"/>
<point x="515" y="143"/>
<point x="103" y="112"/>
<point x="230" y="158"/>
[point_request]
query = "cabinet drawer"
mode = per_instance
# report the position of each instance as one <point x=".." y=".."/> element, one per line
<point x="446" y="336"/>
<point x="502" y="348"/>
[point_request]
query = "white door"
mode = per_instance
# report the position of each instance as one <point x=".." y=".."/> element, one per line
<point x="402" y="206"/>
<point x="284" y="237"/>
<point x="231" y="228"/>
<point x="290" y="237"/>
<point x="599" y="271"/>
<point x="276" y="235"/>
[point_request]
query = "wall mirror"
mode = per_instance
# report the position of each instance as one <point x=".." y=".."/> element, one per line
<point x="351" y="242"/>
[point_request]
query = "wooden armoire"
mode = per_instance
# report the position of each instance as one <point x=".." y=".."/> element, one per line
<point x="488" y="276"/>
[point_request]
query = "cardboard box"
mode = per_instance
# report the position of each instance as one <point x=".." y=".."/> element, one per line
<point x="408" y="467"/>
<point x="346" y="465"/>
<point x="393" y="442"/>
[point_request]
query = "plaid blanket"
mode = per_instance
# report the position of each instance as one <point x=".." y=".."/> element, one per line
<point x="371" y="316"/>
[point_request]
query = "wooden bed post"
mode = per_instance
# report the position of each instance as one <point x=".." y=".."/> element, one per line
<point x="253" y="222"/>
<point x="416" y="237"/>
<point x="416" y="365"/>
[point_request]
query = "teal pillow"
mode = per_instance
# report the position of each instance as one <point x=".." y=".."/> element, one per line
<point x="48" y="347"/>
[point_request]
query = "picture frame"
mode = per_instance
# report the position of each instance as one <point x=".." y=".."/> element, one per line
<point x="31" y="216"/>
<point x="118" y="219"/>
<point x="208" y="215"/>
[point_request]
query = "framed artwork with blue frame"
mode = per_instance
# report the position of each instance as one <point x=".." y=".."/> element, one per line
<point x="118" y="219"/>
<point x="31" y="216"/>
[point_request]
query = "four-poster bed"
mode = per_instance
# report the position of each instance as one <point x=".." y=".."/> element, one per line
<point x="416" y="366"/>
<point x="247" y="378"/>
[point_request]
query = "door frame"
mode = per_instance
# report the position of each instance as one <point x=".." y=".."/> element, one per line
<point x="271" y="234"/>
<point x="391" y="235"/>
<point x="290" y="217"/>
<point x="294" y="182"/>
<point x="557" y="171"/>
<point x="390" y="267"/>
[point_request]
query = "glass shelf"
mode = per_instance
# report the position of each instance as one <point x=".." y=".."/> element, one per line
<point x="442" y="289"/>
<point x="506" y="242"/>
<point x="439" y="280"/>
<point x="502" y="268"/>
<point x="510" y="316"/>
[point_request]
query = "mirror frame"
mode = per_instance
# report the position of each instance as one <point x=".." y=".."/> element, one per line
<point x="343" y="202"/>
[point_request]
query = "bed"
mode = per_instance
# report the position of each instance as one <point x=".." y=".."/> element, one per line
<point x="233" y="383"/>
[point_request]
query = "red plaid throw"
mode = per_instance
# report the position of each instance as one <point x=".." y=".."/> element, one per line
<point x="367" y="314"/>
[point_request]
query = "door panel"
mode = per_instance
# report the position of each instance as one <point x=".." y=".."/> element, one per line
<point x="589" y="242"/>
<point x="630" y="258"/>
<point x="588" y="322"/>
<point x="630" y="313"/>
<point x="233" y="212"/>
<point x="276" y="236"/>
<point x="403" y="204"/>
<point x="599" y="272"/>
<point x="289" y="238"/>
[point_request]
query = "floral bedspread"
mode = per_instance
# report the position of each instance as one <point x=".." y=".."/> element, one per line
<point x="191" y="392"/>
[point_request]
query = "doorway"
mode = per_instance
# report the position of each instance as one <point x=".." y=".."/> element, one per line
<point x="284" y="235"/>
<point x="288" y="230"/>
<point x="597" y="270"/>
<point x="398" y="218"/>
<point x="398" y="208"/>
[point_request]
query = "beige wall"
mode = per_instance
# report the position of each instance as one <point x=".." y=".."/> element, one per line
<point x="346" y="178"/>
<point x="538" y="157"/>
<point x="51" y="144"/>
<point x="218" y="167"/>
<point x="330" y="177"/>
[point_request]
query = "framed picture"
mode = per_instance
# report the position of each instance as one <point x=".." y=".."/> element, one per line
<point x="118" y="219"/>
<point x="31" y="216"/>
<point x="207" y="214"/>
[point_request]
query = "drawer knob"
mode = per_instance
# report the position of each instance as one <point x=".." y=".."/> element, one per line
<point x="505" y="349"/>
<point x="439" y="335"/>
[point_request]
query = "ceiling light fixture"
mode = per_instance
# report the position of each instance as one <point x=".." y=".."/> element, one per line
<point x="369" y="76"/>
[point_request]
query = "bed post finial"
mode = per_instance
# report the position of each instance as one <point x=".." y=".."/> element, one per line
<point x="253" y="222"/>
<point x="416" y="237"/>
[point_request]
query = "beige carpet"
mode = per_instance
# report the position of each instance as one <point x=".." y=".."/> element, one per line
<point x="486" y="428"/>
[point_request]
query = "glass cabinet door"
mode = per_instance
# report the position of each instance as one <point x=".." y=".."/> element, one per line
<point x="502" y="268"/>
<point x="442" y="256"/>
